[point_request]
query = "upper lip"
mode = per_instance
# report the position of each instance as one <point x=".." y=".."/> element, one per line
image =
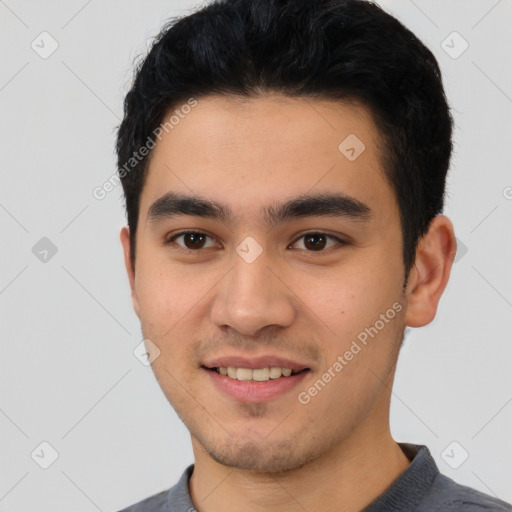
<point x="254" y="362"/>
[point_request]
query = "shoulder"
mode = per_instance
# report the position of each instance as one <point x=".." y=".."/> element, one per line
<point x="175" y="498"/>
<point x="450" y="496"/>
<point x="156" y="503"/>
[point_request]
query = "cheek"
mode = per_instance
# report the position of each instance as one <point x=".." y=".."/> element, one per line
<point x="168" y="303"/>
<point x="174" y="299"/>
<point x="163" y="298"/>
<point x="345" y="300"/>
<point x="357" y="311"/>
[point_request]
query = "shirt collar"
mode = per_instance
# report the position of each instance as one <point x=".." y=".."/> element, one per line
<point x="412" y="485"/>
<point x="403" y="494"/>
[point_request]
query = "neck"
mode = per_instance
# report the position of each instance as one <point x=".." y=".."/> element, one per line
<point x="349" y="477"/>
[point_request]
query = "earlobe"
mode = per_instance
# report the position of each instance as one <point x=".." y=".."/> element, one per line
<point x="130" y="270"/>
<point x="429" y="276"/>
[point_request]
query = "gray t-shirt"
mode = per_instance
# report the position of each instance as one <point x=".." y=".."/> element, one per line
<point x="420" y="488"/>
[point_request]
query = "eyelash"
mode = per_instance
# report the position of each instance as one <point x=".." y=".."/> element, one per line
<point x="168" y="241"/>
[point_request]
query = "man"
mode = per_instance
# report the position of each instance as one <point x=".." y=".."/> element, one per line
<point x="284" y="166"/>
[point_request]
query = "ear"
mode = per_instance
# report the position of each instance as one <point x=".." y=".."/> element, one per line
<point x="430" y="273"/>
<point x="125" y="241"/>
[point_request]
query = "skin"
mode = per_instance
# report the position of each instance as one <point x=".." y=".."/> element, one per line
<point x="336" y="452"/>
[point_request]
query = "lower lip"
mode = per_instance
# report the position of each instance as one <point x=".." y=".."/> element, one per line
<point x="251" y="391"/>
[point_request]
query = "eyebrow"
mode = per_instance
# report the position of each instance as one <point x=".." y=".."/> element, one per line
<point x="338" y="205"/>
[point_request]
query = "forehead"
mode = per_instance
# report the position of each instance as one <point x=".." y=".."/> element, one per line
<point x="250" y="152"/>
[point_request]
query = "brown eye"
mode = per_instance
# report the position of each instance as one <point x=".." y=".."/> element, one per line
<point x="192" y="240"/>
<point x="317" y="242"/>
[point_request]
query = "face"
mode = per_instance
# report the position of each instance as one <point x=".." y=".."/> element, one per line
<point x="315" y="286"/>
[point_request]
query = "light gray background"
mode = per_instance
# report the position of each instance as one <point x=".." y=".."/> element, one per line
<point x="67" y="372"/>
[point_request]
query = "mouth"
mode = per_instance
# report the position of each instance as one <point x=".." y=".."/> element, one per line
<point x="255" y="374"/>
<point x="255" y="382"/>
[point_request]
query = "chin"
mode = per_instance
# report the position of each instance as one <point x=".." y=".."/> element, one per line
<point x="265" y="456"/>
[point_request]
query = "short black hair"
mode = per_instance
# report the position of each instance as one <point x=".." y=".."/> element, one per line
<point x="322" y="49"/>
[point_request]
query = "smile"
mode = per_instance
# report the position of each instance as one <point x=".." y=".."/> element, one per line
<point x="256" y="374"/>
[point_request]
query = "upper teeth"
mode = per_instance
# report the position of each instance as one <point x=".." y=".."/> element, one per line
<point x="258" y="374"/>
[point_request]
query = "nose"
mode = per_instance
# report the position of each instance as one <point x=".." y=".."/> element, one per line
<point x="252" y="297"/>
